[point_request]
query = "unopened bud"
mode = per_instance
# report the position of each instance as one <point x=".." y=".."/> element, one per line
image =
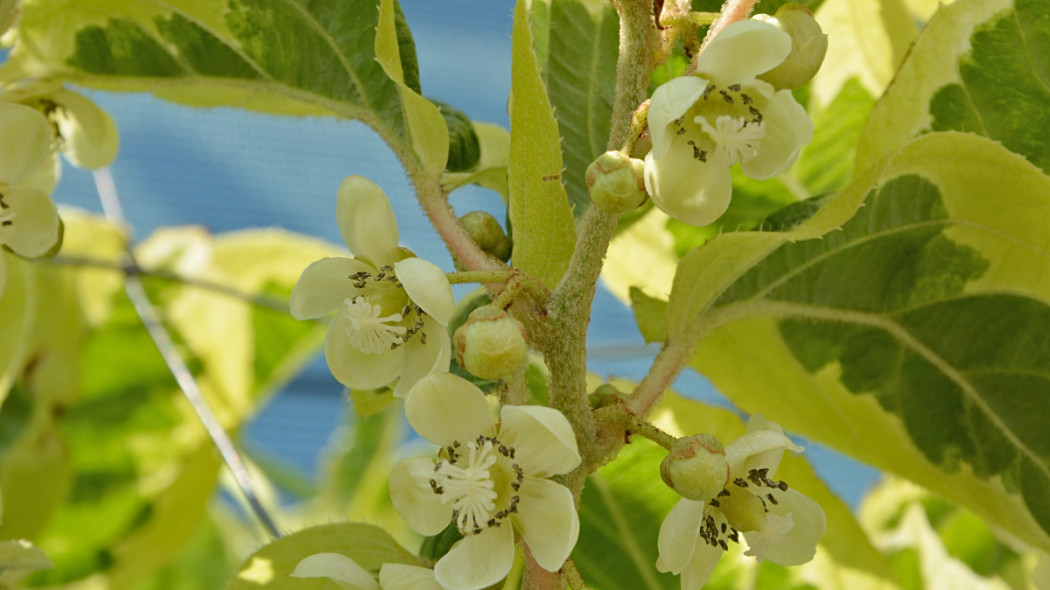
<point x="488" y="234"/>
<point x="809" y="44"/>
<point x="696" y="467"/>
<point x="616" y="182"/>
<point x="490" y="344"/>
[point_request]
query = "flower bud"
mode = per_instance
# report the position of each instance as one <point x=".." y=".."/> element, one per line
<point x="488" y="234"/>
<point x="616" y="182"/>
<point x="491" y="344"/>
<point x="696" y="467"/>
<point x="809" y="44"/>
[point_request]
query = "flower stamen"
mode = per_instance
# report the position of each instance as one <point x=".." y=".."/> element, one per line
<point x="735" y="139"/>
<point x="468" y="480"/>
<point x="370" y="333"/>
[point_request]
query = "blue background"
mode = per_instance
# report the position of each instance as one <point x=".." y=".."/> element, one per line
<point x="226" y="169"/>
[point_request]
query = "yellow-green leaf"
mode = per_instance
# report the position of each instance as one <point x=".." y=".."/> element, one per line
<point x="539" y="210"/>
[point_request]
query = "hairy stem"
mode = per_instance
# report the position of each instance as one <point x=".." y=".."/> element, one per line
<point x="434" y="200"/>
<point x="668" y="363"/>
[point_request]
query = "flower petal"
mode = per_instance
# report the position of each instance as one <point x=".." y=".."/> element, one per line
<point x="700" y="566"/>
<point x="442" y="408"/>
<point x="428" y="287"/>
<point x="323" y="286"/>
<point x="760" y="449"/>
<point x="547" y="521"/>
<point x="367" y="220"/>
<point x="424" y="359"/>
<point x="356" y="369"/>
<point x="542" y="438"/>
<point x="691" y="191"/>
<point x="744" y="50"/>
<point x="678" y="534"/>
<point x="25" y="139"/>
<point x="478" y="561"/>
<point x="670" y="101"/>
<point x="400" y="576"/>
<point x="799" y="544"/>
<point x="415" y="501"/>
<point x="34" y="229"/>
<point x="787" y="128"/>
<point x="338" y="568"/>
<point x="90" y="138"/>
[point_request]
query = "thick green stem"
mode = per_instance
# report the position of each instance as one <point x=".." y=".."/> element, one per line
<point x="565" y="344"/>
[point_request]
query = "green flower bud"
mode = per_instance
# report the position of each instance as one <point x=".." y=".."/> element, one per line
<point x="809" y="44"/>
<point x="488" y="234"/>
<point x="491" y="344"/>
<point x="696" y="467"/>
<point x="616" y="182"/>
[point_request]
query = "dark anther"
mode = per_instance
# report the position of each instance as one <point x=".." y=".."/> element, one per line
<point x="723" y="528"/>
<point x="734" y="537"/>
<point x="734" y="87"/>
<point x="714" y="503"/>
<point x="772" y="499"/>
<point x="723" y="493"/>
<point x="782" y="486"/>
<point x="723" y="545"/>
<point x="725" y="96"/>
<point x="386" y="267"/>
<point x="422" y="337"/>
<point x="745" y="98"/>
<point x="515" y="486"/>
<point x="740" y="482"/>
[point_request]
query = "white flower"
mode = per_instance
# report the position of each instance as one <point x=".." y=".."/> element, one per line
<point x="345" y="573"/>
<point x="703" y="124"/>
<point x="778" y="523"/>
<point x="29" y="224"/>
<point x="392" y="308"/>
<point x="490" y="479"/>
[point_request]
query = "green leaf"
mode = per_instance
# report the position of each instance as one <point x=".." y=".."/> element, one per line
<point x="620" y="515"/>
<point x="826" y="164"/>
<point x="539" y="212"/>
<point x="978" y="68"/>
<point x="292" y="58"/>
<point x="650" y="314"/>
<point x="270" y="567"/>
<point x="426" y="124"/>
<point x="867" y="41"/>
<point x="578" y="63"/>
<point x="913" y="339"/>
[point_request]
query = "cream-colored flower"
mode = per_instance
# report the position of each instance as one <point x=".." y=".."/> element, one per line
<point x="29" y="224"/>
<point x="347" y="574"/>
<point x="702" y="124"/>
<point x="777" y="523"/>
<point x="490" y="479"/>
<point x="391" y="307"/>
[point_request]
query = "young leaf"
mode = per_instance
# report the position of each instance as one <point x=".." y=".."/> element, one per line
<point x="578" y="64"/>
<point x="539" y="212"/>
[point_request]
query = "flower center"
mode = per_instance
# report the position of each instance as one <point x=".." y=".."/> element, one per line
<point x="740" y="508"/>
<point x="480" y="482"/>
<point x="737" y="130"/>
<point x="735" y="141"/>
<point x="372" y="332"/>
<point x="369" y="332"/>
